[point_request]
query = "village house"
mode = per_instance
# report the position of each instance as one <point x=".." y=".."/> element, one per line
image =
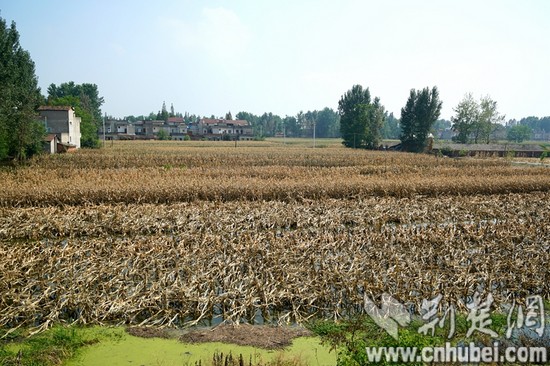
<point x="221" y="129"/>
<point x="117" y="129"/>
<point x="62" y="122"/>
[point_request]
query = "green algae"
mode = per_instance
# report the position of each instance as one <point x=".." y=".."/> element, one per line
<point x="117" y="348"/>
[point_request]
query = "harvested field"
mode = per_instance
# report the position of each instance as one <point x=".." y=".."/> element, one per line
<point x="183" y="234"/>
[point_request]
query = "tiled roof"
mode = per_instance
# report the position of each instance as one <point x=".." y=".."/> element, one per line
<point x="175" y="119"/>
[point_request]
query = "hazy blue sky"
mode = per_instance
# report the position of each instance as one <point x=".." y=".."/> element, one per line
<point x="213" y="56"/>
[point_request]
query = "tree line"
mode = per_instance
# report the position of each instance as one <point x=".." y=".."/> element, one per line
<point x="364" y="123"/>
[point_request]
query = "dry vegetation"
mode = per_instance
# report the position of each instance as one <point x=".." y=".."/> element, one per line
<point x="174" y="233"/>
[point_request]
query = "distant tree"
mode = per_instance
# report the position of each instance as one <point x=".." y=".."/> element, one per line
<point x="360" y="118"/>
<point x="466" y="114"/>
<point x="417" y="118"/>
<point x="489" y="117"/>
<point x="475" y="122"/>
<point x="163" y="135"/>
<point x="86" y="92"/>
<point x="391" y="129"/>
<point x="291" y="127"/>
<point x="228" y="116"/>
<point x="20" y="133"/>
<point x="172" y="113"/>
<point x="163" y="114"/>
<point x="519" y="133"/>
<point x="327" y="123"/>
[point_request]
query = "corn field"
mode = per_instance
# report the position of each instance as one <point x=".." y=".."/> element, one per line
<point x="172" y="235"/>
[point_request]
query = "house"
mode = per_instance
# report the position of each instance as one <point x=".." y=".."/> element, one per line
<point x="117" y="129"/>
<point x="222" y="129"/>
<point x="62" y="121"/>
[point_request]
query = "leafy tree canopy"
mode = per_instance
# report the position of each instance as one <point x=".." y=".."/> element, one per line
<point x="417" y="118"/>
<point x="361" y="119"/>
<point x="20" y="132"/>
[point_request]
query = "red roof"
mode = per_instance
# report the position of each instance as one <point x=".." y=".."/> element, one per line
<point x="175" y="119"/>
<point x="54" y="108"/>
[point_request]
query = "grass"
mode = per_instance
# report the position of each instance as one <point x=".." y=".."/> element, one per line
<point x="45" y="349"/>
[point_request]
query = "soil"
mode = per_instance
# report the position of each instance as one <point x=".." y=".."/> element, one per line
<point x="261" y="336"/>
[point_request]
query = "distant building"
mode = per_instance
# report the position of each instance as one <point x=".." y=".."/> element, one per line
<point x="117" y="129"/>
<point x="62" y="121"/>
<point x="220" y="129"/>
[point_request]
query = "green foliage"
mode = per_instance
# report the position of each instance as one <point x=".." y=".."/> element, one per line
<point x="518" y="133"/>
<point x="20" y="135"/>
<point x="49" y="348"/>
<point x="391" y="128"/>
<point x="351" y="337"/>
<point x="417" y="118"/>
<point x="361" y="119"/>
<point x="163" y="135"/>
<point x="186" y="138"/>
<point x="474" y="122"/>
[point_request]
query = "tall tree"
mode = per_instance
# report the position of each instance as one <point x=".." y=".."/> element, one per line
<point x="20" y="132"/>
<point x="417" y="118"/>
<point x="360" y="118"/>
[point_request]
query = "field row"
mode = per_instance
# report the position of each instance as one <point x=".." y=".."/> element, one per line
<point x="42" y="187"/>
<point x="170" y="264"/>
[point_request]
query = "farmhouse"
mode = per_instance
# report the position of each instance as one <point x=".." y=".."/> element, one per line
<point x="62" y="121"/>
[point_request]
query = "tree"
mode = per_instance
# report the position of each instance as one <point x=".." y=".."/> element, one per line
<point x="360" y="119"/>
<point x="519" y="133"/>
<point x="391" y="128"/>
<point x="475" y="122"/>
<point x="417" y="118"/>
<point x="163" y="135"/>
<point x="466" y="114"/>
<point x="20" y="132"/>
<point x="228" y="116"/>
<point x="489" y="117"/>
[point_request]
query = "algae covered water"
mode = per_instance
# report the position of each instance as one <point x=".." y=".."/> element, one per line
<point x="118" y="348"/>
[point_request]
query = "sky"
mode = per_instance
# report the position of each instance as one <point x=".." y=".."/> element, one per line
<point x="209" y="57"/>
